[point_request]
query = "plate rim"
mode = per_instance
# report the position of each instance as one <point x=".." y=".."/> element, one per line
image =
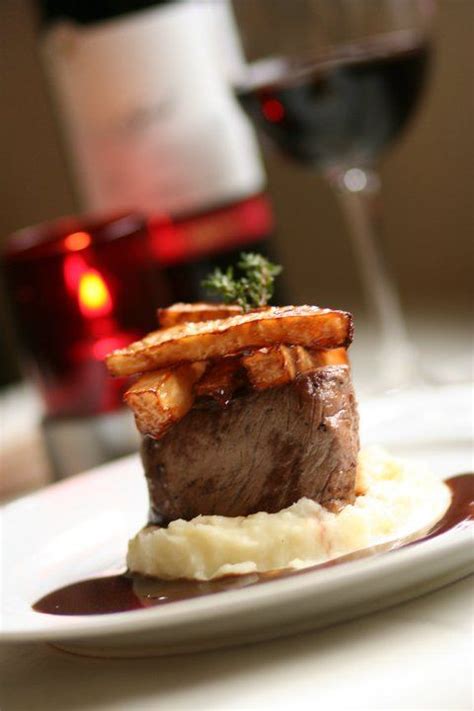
<point x="236" y="602"/>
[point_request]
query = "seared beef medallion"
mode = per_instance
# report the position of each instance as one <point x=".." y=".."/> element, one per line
<point x="261" y="452"/>
<point x="243" y="413"/>
<point x="250" y="439"/>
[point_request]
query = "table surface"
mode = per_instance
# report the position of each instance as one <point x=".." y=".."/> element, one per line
<point x="413" y="656"/>
<point x="418" y="655"/>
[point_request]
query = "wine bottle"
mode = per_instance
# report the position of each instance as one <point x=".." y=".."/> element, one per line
<point x="144" y="96"/>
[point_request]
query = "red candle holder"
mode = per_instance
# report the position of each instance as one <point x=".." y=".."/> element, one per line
<point x="80" y="288"/>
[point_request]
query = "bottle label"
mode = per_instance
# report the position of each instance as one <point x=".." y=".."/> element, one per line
<point x="148" y="114"/>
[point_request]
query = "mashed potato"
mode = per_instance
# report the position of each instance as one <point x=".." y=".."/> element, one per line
<point x="399" y="499"/>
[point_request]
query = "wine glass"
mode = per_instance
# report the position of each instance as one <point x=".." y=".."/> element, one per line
<point x="332" y="83"/>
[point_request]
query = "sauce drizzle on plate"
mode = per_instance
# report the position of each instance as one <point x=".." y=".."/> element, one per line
<point x="125" y="592"/>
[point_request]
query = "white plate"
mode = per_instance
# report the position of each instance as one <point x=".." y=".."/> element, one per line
<point x="80" y="527"/>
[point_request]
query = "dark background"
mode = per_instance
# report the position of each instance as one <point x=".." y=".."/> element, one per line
<point x="428" y="179"/>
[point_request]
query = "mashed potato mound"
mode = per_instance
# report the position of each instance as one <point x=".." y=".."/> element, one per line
<point x="399" y="500"/>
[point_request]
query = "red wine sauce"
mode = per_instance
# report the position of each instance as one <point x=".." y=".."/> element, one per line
<point x="125" y="592"/>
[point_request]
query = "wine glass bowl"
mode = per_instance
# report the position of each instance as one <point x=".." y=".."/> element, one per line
<point x="340" y="108"/>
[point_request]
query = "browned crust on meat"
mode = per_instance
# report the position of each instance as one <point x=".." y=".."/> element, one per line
<point x="262" y="452"/>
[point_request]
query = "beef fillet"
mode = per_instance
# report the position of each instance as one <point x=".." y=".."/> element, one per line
<point x="261" y="452"/>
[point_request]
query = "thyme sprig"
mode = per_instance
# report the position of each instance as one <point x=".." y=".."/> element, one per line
<point x="253" y="288"/>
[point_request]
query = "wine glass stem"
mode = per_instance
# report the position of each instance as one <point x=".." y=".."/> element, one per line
<point x="358" y="191"/>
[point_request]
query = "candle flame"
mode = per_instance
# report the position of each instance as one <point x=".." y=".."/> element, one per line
<point x="93" y="294"/>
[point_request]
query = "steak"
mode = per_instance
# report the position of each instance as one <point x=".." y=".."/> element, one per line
<point x="261" y="452"/>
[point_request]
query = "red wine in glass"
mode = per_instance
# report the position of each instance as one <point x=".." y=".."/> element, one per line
<point x="341" y="108"/>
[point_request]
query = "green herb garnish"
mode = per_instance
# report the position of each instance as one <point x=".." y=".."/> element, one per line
<point x="254" y="288"/>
